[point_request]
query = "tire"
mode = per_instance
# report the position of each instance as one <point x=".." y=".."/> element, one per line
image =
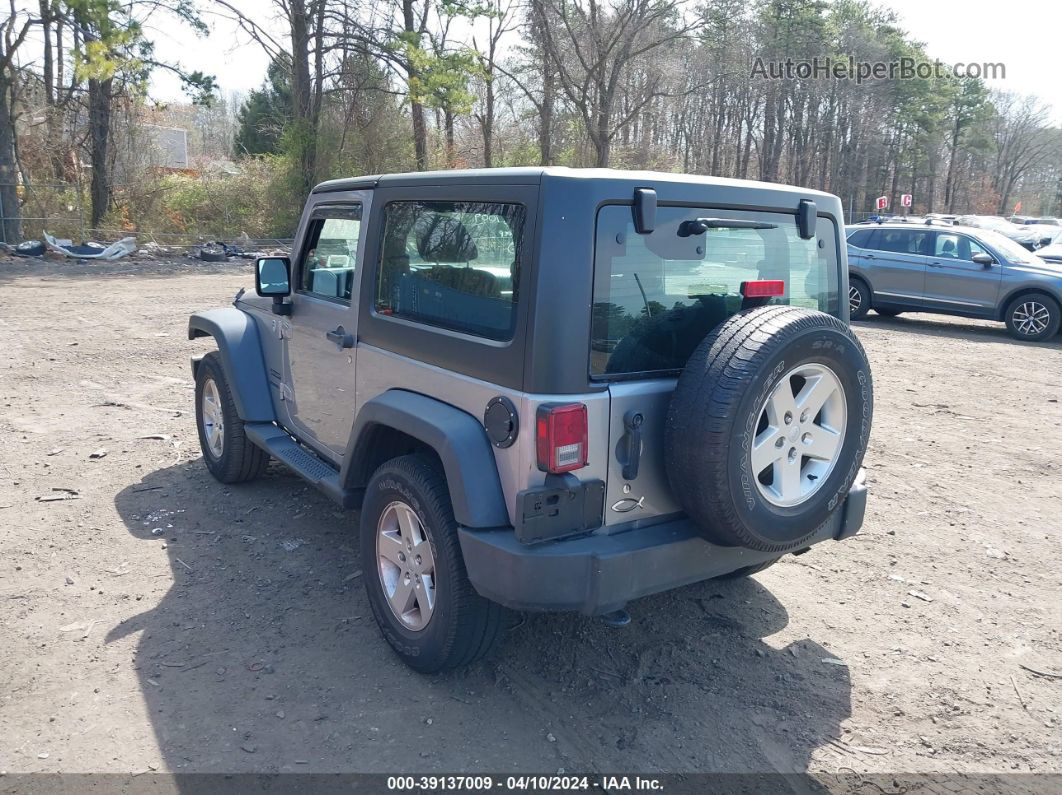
<point x="730" y="395"/>
<point x="748" y="571"/>
<point x="460" y="626"/>
<point x="1033" y="317"/>
<point x="236" y="459"/>
<point x="888" y="312"/>
<point x="858" y="299"/>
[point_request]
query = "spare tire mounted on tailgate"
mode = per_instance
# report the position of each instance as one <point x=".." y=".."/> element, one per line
<point x="768" y="426"/>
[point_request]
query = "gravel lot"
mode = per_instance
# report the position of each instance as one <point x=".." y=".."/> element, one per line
<point x="162" y="621"/>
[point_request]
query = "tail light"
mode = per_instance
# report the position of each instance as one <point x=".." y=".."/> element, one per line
<point x="560" y="436"/>
<point x="763" y="288"/>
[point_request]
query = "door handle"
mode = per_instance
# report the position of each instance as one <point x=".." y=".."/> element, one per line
<point x="340" y="337"/>
<point x="870" y="256"/>
<point x="934" y="264"/>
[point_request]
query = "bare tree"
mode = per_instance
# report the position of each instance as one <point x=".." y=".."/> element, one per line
<point x="13" y="33"/>
<point x="1021" y="139"/>
<point x="593" y="45"/>
<point x="500" y="21"/>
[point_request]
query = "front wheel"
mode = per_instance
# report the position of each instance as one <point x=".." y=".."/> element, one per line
<point x="1033" y="317"/>
<point x="418" y="588"/>
<point x="229" y="455"/>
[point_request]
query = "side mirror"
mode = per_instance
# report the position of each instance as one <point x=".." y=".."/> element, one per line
<point x="983" y="260"/>
<point x="272" y="277"/>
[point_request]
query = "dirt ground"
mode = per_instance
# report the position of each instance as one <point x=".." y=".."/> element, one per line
<point x="162" y="621"/>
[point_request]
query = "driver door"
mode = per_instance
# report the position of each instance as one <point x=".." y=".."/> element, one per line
<point x="321" y="333"/>
<point x="955" y="281"/>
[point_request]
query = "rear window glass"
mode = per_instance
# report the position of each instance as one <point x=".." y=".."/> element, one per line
<point x="656" y="296"/>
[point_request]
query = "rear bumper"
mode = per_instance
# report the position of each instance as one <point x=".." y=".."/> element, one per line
<point x="600" y="573"/>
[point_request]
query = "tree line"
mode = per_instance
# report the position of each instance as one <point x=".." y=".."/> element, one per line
<point x="356" y="86"/>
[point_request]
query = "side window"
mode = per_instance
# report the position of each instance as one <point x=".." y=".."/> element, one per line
<point x="330" y="254"/>
<point x="861" y="238"/>
<point x="919" y="242"/>
<point x="946" y="246"/>
<point x="902" y="241"/>
<point x="954" y="246"/>
<point x="971" y="247"/>
<point x="452" y="264"/>
<point x="891" y="240"/>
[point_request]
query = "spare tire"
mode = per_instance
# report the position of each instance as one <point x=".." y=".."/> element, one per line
<point x="768" y="425"/>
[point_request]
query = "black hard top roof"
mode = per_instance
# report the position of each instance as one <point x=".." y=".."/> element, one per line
<point x="537" y="174"/>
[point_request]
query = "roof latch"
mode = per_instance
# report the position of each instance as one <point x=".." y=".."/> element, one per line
<point x="644" y="210"/>
<point x="806" y="217"/>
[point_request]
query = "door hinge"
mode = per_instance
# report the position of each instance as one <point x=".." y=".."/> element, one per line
<point x="282" y="329"/>
<point x="285" y="392"/>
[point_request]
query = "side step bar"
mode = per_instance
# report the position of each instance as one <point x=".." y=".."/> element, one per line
<point x="282" y="447"/>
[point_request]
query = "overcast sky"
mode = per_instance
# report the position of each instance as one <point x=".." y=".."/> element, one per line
<point x="1024" y="36"/>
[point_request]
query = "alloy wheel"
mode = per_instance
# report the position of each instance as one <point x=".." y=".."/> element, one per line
<point x="855" y="299"/>
<point x="799" y="434"/>
<point x="1031" y="318"/>
<point x="213" y="419"/>
<point x="406" y="565"/>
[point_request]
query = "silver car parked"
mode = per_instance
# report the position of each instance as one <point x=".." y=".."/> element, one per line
<point x="953" y="270"/>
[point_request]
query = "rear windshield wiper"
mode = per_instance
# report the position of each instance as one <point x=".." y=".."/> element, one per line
<point x="698" y="226"/>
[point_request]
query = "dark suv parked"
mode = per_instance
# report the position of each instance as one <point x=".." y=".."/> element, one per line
<point x="952" y="270"/>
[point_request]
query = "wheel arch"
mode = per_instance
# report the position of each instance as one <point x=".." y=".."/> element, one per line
<point x="398" y="422"/>
<point x="240" y="351"/>
<point x="1025" y="289"/>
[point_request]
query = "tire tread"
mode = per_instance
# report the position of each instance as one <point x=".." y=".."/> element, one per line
<point x="703" y="406"/>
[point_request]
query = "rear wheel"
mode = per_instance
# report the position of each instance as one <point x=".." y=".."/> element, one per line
<point x="1033" y="317"/>
<point x="858" y="299"/>
<point x="767" y="427"/>
<point x="418" y="589"/>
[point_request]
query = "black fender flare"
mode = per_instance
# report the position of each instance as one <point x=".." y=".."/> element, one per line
<point x="457" y="437"/>
<point x="240" y="349"/>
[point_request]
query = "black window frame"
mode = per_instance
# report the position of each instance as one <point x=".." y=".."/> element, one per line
<point x="314" y="224"/>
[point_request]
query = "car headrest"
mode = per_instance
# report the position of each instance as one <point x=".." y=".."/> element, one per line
<point x="444" y="239"/>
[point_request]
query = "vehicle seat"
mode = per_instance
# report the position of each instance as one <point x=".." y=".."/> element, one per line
<point x="948" y="249"/>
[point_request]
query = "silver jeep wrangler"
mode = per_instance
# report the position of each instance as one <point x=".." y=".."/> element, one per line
<point x="549" y="389"/>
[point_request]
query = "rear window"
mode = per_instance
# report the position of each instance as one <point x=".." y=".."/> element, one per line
<point x="656" y="296"/>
